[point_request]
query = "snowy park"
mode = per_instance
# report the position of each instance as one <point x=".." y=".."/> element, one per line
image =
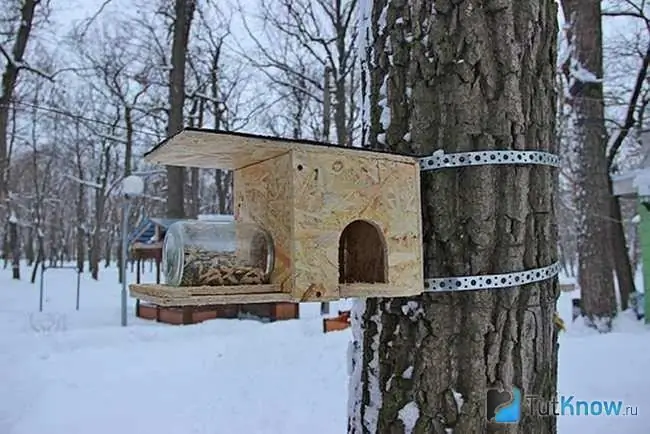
<point x="324" y="216"/>
<point x="68" y="371"/>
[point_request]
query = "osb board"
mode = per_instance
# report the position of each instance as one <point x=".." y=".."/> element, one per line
<point x="331" y="192"/>
<point x="223" y="150"/>
<point x="362" y="290"/>
<point x="189" y="291"/>
<point x="203" y="300"/>
<point x="263" y="195"/>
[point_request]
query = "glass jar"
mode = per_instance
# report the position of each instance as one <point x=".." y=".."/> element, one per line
<point x="217" y="253"/>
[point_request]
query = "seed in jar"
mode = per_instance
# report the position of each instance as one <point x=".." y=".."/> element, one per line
<point x="204" y="268"/>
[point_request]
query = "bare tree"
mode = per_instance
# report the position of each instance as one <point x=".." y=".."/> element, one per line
<point x="296" y="42"/>
<point x="635" y="47"/>
<point x="14" y="62"/>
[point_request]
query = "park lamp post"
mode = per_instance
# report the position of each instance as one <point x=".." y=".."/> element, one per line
<point x="132" y="186"/>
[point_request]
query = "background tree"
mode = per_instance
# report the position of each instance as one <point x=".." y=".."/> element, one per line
<point x="294" y="44"/>
<point x="584" y="69"/>
<point x="183" y="14"/>
<point x="20" y="20"/>
<point x="627" y="55"/>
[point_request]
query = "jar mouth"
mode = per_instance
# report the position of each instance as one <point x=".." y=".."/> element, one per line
<point x="172" y="259"/>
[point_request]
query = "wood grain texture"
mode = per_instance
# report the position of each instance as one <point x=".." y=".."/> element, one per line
<point x="330" y="193"/>
<point x="263" y="195"/>
<point x="163" y="297"/>
<point x="191" y="148"/>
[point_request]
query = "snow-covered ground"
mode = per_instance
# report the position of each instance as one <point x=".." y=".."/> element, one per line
<point x="69" y="372"/>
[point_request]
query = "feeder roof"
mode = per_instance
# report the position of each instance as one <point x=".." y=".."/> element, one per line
<point x="195" y="147"/>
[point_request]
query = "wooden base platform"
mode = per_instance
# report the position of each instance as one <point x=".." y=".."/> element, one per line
<point x="164" y="295"/>
<point x="186" y="315"/>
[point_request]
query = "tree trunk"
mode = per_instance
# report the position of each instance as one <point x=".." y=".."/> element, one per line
<point x="620" y="253"/>
<point x="80" y="226"/>
<point x="96" y="240"/>
<point x="29" y="246"/>
<point x="6" y="251"/>
<point x="196" y="119"/>
<point x="108" y="248"/>
<point x="183" y="12"/>
<point x="475" y="76"/>
<point x="40" y="256"/>
<point x="14" y="246"/>
<point x="593" y="201"/>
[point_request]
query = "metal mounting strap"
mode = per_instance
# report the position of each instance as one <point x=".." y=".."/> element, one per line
<point x="491" y="281"/>
<point x="440" y="160"/>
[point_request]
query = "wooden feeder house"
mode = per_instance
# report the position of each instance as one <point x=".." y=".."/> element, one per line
<point x="345" y="222"/>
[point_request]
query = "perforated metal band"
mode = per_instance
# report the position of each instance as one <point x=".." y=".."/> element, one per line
<point x="440" y="160"/>
<point x="491" y="281"/>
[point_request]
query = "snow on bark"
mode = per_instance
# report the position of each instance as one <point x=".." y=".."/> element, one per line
<point x="413" y="310"/>
<point x="385" y="113"/>
<point x="458" y="397"/>
<point x="355" y="367"/>
<point x="365" y="55"/>
<point x="568" y="59"/>
<point x="363" y="415"/>
<point x="409" y="415"/>
<point x="371" y="411"/>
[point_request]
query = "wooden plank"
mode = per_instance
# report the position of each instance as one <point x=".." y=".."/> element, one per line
<point x="191" y="291"/>
<point x="227" y="150"/>
<point x="202" y="300"/>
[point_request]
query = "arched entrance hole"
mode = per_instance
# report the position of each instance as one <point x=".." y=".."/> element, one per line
<point x="362" y="254"/>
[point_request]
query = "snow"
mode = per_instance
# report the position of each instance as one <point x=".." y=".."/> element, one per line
<point x="458" y="397"/>
<point x="409" y="415"/>
<point x="74" y="372"/>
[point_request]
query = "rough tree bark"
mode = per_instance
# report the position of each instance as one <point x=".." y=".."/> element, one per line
<point x="593" y="197"/>
<point x="183" y="13"/>
<point x="460" y="76"/>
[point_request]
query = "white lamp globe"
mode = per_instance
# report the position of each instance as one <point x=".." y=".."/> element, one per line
<point x="132" y="186"/>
